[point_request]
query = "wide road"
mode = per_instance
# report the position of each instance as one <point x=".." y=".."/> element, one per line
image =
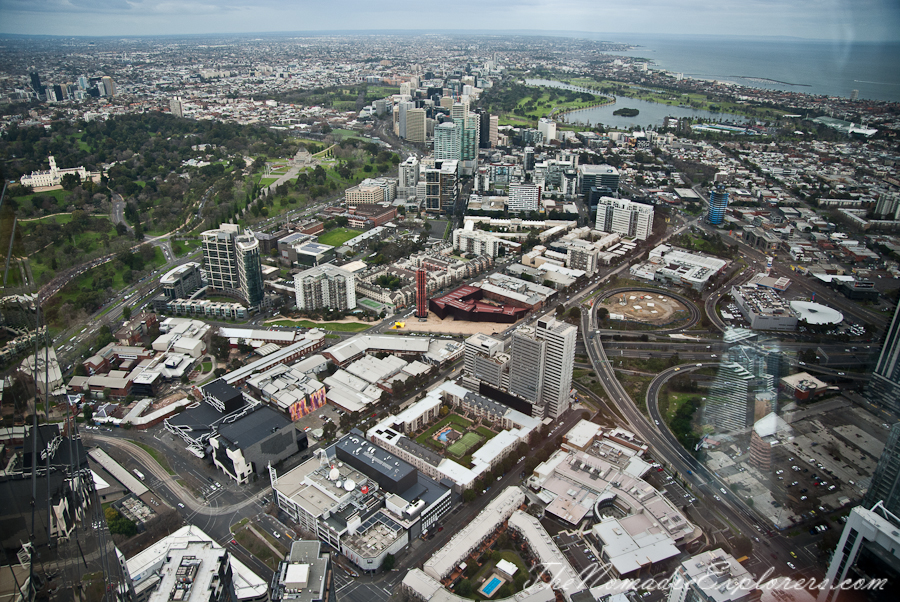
<point x="214" y="518"/>
<point x="717" y="495"/>
<point x="701" y="481"/>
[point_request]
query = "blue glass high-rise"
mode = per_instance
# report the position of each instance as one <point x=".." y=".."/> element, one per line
<point x="718" y="203"/>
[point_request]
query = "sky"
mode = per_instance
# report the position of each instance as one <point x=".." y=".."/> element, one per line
<point x="839" y="20"/>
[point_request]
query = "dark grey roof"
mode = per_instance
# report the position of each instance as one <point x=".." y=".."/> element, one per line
<point x="489" y="405"/>
<point x="254" y="427"/>
<point x="220" y="390"/>
<point x="420" y="451"/>
<point x="426" y="489"/>
<point x="377" y="458"/>
<point x="201" y="417"/>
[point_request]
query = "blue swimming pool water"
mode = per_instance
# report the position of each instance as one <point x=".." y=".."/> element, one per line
<point x="491" y="586"/>
<point x="443" y="436"/>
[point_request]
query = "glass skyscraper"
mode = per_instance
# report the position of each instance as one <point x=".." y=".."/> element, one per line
<point x="884" y="386"/>
<point x="718" y="203"/>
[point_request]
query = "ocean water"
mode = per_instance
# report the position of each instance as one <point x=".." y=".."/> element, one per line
<point x="813" y="67"/>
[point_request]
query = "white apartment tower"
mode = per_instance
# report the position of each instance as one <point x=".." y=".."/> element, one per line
<point x="409" y="176"/>
<point x="542" y="361"/>
<point x="869" y="549"/>
<point x="325" y="286"/>
<point x="526" y="368"/>
<point x="447" y="141"/>
<point x="176" y="107"/>
<point x="524" y="198"/>
<point x="548" y="128"/>
<point x="624" y="217"/>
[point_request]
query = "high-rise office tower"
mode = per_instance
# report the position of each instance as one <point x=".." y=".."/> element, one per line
<point x="605" y="178"/>
<point x="884" y="386"/>
<point x="559" y="361"/>
<point x="493" y="136"/>
<point x="527" y="368"/>
<point x="232" y="263"/>
<point x="469" y="138"/>
<point x="175" y="107"/>
<point x="869" y="549"/>
<point x="415" y="125"/>
<point x="484" y="119"/>
<point x="404" y="106"/>
<point x="854" y="95"/>
<point x="421" y="294"/>
<point x="528" y="160"/>
<point x="885" y="485"/>
<point x="109" y="85"/>
<point x="408" y="177"/>
<point x="36" y="85"/>
<point x="249" y="264"/>
<point x="718" y="203"/>
<point x="447" y="142"/>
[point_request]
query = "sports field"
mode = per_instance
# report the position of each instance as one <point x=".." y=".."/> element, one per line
<point x="338" y="236"/>
<point x="462" y="447"/>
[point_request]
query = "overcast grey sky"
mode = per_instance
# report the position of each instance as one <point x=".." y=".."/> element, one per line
<point x="845" y="20"/>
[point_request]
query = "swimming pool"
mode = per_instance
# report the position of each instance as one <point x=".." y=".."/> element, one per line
<point x="491" y="585"/>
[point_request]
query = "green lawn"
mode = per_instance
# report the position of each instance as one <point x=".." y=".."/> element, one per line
<point x="206" y="366"/>
<point x="426" y="437"/>
<point x="337" y="326"/>
<point x="486" y="432"/>
<point x="267" y="181"/>
<point x="59" y="195"/>
<point x="468" y="441"/>
<point x="338" y="236"/>
<point x="253" y="544"/>
<point x="183" y="247"/>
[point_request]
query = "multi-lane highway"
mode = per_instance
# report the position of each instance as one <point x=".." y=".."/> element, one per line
<point x="698" y="478"/>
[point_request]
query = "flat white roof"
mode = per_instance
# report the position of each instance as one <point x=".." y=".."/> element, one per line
<point x="444" y="560"/>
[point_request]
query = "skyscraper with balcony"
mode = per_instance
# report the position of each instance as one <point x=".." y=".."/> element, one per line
<point x="526" y="370"/>
<point x="559" y="361"/>
<point x="884" y="386"/>
<point x="542" y="360"/>
<point x="447" y="140"/>
<point x="232" y="263"/>
<point x="718" y="203"/>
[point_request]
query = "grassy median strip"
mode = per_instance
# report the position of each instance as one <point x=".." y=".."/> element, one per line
<point x="160" y="459"/>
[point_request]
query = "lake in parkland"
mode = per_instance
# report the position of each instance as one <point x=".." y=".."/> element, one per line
<point x="651" y="113"/>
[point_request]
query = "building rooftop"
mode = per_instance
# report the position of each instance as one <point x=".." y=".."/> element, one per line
<point x="253" y="427"/>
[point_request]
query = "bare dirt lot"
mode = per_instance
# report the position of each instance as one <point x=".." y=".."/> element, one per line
<point x="653" y="308"/>
<point x="448" y="326"/>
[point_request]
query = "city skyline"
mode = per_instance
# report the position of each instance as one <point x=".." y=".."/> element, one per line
<point x="836" y="20"/>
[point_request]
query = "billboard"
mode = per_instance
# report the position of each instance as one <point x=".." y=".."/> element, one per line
<point x="308" y="404"/>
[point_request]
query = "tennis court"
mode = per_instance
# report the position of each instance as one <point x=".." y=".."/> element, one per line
<point x="462" y="447"/>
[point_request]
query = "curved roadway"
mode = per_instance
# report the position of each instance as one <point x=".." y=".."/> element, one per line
<point x="701" y="480"/>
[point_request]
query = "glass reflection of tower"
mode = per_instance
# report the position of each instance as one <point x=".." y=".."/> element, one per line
<point x="744" y="387"/>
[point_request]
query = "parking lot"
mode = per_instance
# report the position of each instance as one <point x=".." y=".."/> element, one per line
<point x="824" y="463"/>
